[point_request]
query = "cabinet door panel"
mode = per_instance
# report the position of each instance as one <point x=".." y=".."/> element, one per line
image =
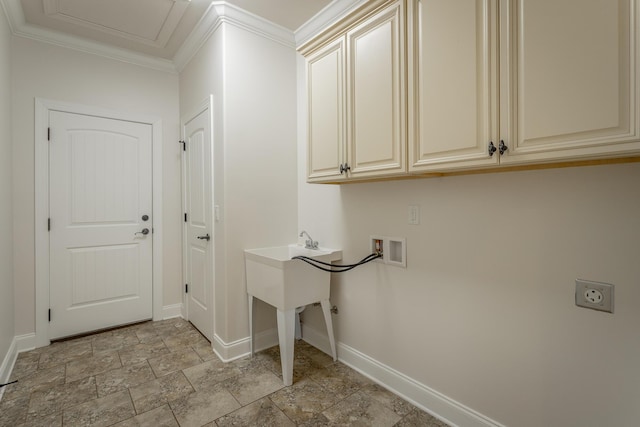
<point x="375" y="97"/>
<point x="325" y="80"/>
<point x="452" y="84"/>
<point x="571" y="79"/>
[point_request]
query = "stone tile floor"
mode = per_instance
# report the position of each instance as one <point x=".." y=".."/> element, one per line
<point x="165" y="374"/>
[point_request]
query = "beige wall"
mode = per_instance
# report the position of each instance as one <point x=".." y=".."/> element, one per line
<point x="484" y="312"/>
<point x="203" y="76"/>
<point x="253" y="81"/>
<point x="6" y="211"/>
<point x="51" y="72"/>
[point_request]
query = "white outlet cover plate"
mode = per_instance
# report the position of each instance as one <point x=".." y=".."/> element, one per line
<point x="588" y="295"/>
<point x="413" y="215"/>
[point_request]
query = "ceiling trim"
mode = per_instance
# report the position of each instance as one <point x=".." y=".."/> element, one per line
<point x="13" y="12"/>
<point x="52" y="9"/>
<point x="248" y="21"/>
<point x="207" y="25"/>
<point x="327" y="16"/>
<point x="220" y="12"/>
<point x="19" y="27"/>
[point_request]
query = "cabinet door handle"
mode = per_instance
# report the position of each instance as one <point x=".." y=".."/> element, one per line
<point x="344" y="168"/>
<point x="492" y="149"/>
<point x="207" y="237"/>
<point x="503" y="147"/>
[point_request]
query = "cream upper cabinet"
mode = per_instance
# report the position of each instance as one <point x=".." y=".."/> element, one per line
<point x="357" y="96"/>
<point x="326" y="100"/>
<point x="376" y="129"/>
<point x="569" y="85"/>
<point x="453" y="84"/>
<point x="540" y="80"/>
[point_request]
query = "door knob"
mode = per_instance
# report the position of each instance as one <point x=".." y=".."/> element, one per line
<point x="144" y="232"/>
<point x="207" y="237"/>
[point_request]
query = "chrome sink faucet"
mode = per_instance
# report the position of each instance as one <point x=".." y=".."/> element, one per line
<point x="310" y="243"/>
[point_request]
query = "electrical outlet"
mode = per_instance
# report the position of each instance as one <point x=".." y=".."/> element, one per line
<point x="594" y="295"/>
<point x="414" y="215"/>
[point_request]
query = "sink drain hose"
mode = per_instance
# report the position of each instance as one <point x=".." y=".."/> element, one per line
<point x="337" y="268"/>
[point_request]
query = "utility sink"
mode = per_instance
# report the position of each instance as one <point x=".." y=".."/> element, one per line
<point x="287" y="284"/>
<point x="284" y="283"/>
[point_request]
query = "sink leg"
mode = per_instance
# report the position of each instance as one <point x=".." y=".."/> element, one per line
<point x="326" y="309"/>
<point x="286" y="331"/>
<point x="251" y="332"/>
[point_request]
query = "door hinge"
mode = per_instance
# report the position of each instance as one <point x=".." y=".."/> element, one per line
<point x="48" y="224"/>
<point x="185" y="217"/>
<point x="184" y="145"/>
<point x="49" y="315"/>
<point x="48" y="134"/>
<point x="186" y="288"/>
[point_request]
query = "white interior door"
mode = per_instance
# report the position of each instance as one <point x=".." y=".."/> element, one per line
<point x="100" y="203"/>
<point x="198" y="235"/>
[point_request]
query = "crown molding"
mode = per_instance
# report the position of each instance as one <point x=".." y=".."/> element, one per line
<point x="326" y="17"/>
<point x="253" y="23"/>
<point x="19" y="27"/>
<point x="52" y="9"/>
<point x="207" y="25"/>
<point x="13" y="12"/>
<point x="220" y="12"/>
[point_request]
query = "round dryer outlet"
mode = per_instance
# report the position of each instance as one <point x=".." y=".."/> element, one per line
<point x="593" y="296"/>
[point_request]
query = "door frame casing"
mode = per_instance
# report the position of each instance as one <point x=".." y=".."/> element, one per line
<point x="206" y="104"/>
<point x="42" y="109"/>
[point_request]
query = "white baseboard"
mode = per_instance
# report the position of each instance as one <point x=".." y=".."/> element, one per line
<point x="448" y="410"/>
<point x="19" y="344"/>
<point x="8" y="361"/>
<point x="319" y="340"/>
<point x="7" y="364"/>
<point x="171" y="311"/>
<point x="241" y="348"/>
<point x="224" y="350"/>
<point x="25" y="342"/>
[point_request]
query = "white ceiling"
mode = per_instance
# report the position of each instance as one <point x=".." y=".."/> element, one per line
<point x="151" y="27"/>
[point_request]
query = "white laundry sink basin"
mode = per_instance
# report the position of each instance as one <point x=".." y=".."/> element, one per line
<point x="286" y="284"/>
<point x="275" y="278"/>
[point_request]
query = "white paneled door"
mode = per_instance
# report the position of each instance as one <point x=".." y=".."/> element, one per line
<point x="101" y="223"/>
<point x="198" y="233"/>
